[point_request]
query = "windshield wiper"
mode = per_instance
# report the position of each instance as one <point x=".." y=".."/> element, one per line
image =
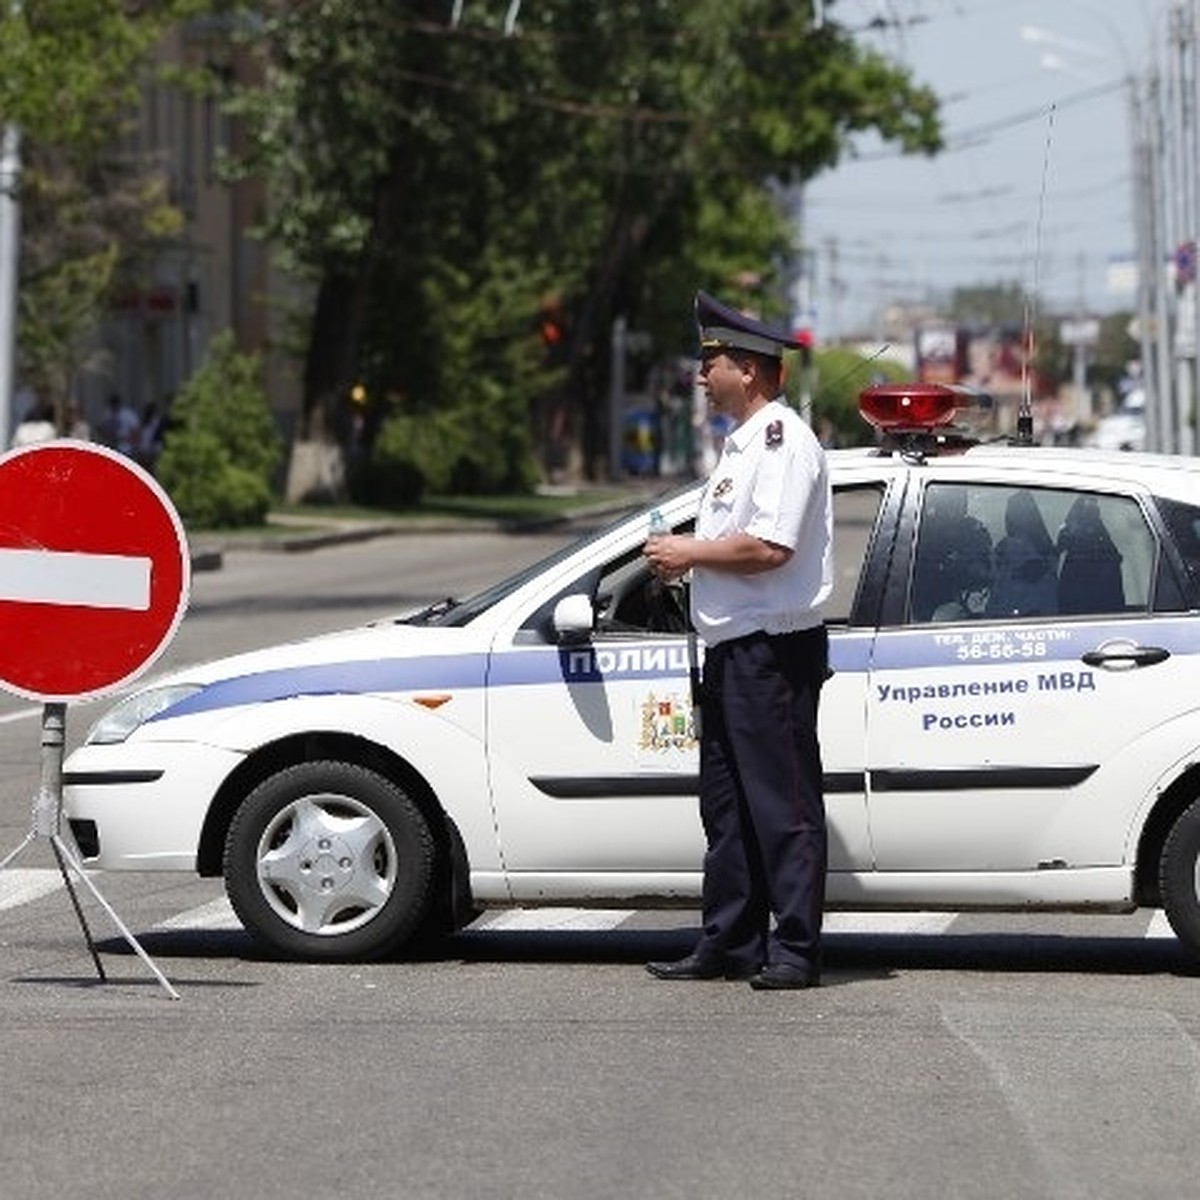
<point x="437" y="609"/>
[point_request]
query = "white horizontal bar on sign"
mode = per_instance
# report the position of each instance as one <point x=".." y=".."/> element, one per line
<point x="71" y="577"/>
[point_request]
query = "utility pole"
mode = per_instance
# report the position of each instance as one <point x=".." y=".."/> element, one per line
<point x="10" y="225"/>
<point x="1189" y="418"/>
<point x="10" y="246"/>
<point x="1143" y="193"/>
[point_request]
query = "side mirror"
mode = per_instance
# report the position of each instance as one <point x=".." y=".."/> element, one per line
<point x="573" y="618"/>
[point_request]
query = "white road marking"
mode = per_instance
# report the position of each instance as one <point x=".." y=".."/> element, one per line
<point x="70" y="577"/>
<point x="1159" y="926"/>
<point x="22" y="886"/>
<point x="888" y="922"/>
<point x="536" y="920"/>
<point x="216" y="914"/>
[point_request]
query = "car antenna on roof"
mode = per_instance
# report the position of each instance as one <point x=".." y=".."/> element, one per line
<point x="860" y="364"/>
<point x="1025" y="408"/>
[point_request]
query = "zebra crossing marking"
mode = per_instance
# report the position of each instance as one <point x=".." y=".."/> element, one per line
<point x="1159" y="926"/>
<point x="217" y="915"/>
<point x="20" y="886"/>
<point x="24" y="885"/>
<point x="888" y="922"/>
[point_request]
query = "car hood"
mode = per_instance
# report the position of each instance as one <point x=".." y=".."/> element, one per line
<point x="355" y="650"/>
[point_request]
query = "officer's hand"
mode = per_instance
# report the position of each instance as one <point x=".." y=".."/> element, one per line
<point x="668" y="555"/>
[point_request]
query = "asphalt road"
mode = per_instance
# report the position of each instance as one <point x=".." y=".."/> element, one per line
<point x="531" y="1056"/>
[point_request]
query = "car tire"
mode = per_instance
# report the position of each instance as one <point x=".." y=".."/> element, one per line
<point x="329" y="862"/>
<point x="1179" y="877"/>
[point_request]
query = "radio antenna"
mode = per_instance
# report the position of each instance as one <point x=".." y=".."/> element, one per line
<point x="1025" y="408"/>
<point x="854" y="369"/>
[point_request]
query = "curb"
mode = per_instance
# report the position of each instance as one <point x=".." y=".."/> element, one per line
<point x="210" y="555"/>
<point x="207" y="560"/>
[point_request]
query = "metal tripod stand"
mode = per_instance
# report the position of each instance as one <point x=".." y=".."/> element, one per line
<point x="47" y="823"/>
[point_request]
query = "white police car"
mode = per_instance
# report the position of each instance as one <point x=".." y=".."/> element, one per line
<point x="1013" y="720"/>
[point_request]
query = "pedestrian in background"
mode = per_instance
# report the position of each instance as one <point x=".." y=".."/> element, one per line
<point x="75" y="424"/>
<point x="761" y="566"/>
<point x="36" y="426"/>
<point x="120" y="426"/>
<point x="150" y="437"/>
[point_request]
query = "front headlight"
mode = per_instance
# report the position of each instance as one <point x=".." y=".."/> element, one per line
<point x="121" y="720"/>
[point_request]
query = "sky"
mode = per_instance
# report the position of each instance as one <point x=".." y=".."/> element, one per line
<point x="1036" y="188"/>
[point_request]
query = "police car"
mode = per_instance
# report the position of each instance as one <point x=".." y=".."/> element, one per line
<point x="1012" y="722"/>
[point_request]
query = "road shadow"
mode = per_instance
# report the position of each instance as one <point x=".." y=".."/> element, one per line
<point x="1045" y="953"/>
<point x="852" y="954"/>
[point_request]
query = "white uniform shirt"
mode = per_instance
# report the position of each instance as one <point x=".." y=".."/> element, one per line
<point x="772" y="482"/>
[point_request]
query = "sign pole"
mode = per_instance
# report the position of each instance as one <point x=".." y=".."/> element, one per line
<point x="47" y="823"/>
<point x="46" y="820"/>
<point x="93" y="557"/>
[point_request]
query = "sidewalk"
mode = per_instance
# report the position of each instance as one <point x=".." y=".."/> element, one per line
<point x="289" y="533"/>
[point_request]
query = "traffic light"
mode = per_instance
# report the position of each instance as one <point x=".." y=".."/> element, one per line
<point x="552" y="328"/>
<point x="550" y="322"/>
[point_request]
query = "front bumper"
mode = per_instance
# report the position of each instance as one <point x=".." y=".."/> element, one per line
<point x="141" y="807"/>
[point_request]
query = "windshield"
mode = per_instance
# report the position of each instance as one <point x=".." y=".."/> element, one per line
<point x="450" y="613"/>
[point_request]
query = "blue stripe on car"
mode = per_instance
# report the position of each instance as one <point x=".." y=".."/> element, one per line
<point x="851" y="652"/>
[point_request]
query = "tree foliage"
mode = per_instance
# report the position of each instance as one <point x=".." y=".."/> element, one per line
<point x="442" y="186"/>
<point x="223" y="446"/>
<point x="838" y="376"/>
<point x="70" y="72"/>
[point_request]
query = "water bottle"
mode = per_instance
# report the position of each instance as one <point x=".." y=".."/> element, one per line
<point x="658" y="524"/>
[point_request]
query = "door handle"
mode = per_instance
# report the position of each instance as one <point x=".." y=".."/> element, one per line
<point x="1126" y="655"/>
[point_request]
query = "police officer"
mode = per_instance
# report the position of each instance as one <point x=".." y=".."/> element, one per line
<point x="761" y="565"/>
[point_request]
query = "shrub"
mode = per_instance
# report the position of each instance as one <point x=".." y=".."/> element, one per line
<point x="395" y="473"/>
<point x="222" y="446"/>
<point x="457" y="452"/>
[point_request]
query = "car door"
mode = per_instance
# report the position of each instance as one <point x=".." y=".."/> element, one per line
<point x="1034" y="648"/>
<point x="594" y="757"/>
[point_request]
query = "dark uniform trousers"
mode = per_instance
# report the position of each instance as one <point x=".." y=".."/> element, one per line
<point x="761" y="798"/>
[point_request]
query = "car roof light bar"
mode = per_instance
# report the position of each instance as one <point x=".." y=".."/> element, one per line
<point x="923" y="418"/>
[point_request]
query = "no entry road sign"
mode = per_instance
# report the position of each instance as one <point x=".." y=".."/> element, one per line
<point x="94" y="570"/>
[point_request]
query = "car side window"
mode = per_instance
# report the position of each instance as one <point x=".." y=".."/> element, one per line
<point x="855" y="516"/>
<point x="993" y="551"/>
<point x="1183" y="523"/>
<point x="630" y="599"/>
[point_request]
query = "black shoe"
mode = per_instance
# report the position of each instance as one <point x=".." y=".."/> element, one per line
<point x="775" y="977"/>
<point x="695" y="967"/>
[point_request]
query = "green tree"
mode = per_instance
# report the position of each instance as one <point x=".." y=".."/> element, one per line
<point x="838" y="376"/>
<point x="608" y="158"/>
<point x="222" y="448"/>
<point x="70" y="71"/>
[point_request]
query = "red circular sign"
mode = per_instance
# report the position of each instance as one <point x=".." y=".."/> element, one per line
<point x="94" y="570"/>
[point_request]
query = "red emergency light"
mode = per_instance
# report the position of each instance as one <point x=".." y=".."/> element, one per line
<point x="893" y="407"/>
<point x="923" y="416"/>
